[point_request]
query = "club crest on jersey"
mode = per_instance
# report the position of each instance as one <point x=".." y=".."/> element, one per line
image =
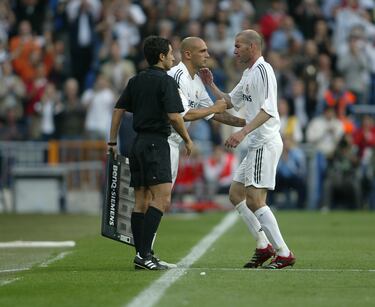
<point x="246" y="96"/>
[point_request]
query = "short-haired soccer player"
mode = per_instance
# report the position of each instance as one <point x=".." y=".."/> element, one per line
<point x="257" y="92"/>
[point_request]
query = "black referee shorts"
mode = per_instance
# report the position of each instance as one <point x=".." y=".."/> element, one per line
<point x="150" y="160"/>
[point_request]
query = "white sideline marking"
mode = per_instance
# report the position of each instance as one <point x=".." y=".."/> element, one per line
<point x="14" y="270"/>
<point x="20" y="244"/>
<point x="54" y="259"/>
<point x="42" y="265"/>
<point x="284" y="270"/>
<point x="9" y="281"/>
<point x="151" y="295"/>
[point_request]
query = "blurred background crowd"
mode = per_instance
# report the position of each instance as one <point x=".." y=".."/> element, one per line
<point x="63" y="63"/>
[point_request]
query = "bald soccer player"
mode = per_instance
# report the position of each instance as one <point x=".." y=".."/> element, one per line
<point x="257" y="92"/>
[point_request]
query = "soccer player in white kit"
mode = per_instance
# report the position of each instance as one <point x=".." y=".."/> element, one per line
<point x="257" y="92"/>
<point x="195" y="99"/>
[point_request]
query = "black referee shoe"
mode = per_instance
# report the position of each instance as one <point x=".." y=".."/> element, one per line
<point x="148" y="263"/>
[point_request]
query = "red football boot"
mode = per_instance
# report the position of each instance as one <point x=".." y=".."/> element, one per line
<point x="280" y="262"/>
<point x="260" y="256"/>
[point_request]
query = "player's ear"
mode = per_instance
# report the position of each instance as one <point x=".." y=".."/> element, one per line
<point x="187" y="54"/>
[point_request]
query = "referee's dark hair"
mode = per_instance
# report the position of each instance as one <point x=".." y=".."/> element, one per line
<point x="152" y="48"/>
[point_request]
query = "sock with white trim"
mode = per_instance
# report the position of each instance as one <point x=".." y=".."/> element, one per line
<point x="271" y="228"/>
<point x="252" y="224"/>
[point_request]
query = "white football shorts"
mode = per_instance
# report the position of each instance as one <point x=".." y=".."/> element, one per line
<point x="175" y="155"/>
<point x="258" y="168"/>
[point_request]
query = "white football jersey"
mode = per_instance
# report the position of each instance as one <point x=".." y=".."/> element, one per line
<point x="193" y="94"/>
<point x="257" y="90"/>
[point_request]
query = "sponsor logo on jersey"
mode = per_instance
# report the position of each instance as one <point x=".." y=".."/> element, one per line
<point x="247" y="97"/>
<point x="193" y="104"/>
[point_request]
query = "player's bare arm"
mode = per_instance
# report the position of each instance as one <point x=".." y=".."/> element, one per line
<point x="193" y="114"/>
<point x="115" y="124"/>
<point x="230" y="120"/>
<point x="237" y="138"/>
<point x="208" y="80"/>
<point x="177" y="123"/>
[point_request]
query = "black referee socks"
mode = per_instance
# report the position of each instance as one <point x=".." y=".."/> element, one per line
<point x="151" y="224"/>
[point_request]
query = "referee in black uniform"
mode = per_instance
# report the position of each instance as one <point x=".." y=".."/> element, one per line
<point x="152" y="96"/>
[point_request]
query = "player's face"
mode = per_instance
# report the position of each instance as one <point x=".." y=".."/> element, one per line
<point x="199" y="55"/>
<point x="168" y="59"/>
<point x="242" y="50"/>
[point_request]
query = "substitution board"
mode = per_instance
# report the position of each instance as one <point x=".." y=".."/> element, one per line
<point x="119" y="200"/>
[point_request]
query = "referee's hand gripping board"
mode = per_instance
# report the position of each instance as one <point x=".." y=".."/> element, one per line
<point x="119" y="200"/>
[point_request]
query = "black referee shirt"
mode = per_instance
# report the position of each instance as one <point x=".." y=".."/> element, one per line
<point x="150" y="95"/>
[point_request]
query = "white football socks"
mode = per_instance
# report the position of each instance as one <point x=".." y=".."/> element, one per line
<point x="252" y="224"/>
<point x="271" y="228"/>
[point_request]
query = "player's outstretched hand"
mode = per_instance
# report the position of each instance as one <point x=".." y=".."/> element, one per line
<point x="189" y="147"/>
<point x="220" y="106"/>
<point x="206" y="75"/>
<point x="235" y="139"/>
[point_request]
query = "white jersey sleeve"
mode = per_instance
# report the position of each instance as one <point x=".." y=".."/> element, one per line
<point x="264" y="82"/>
<point x="236" y="95"/>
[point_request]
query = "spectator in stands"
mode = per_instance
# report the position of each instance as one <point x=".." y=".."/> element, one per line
<point x="12" y="128"/>
<point x="7" y="20"/>
<point x="286" y="35"/>
<point x="289" y="124"/>
<point x="350" y="14"/>
<point x="46" y="108"/>
<point x="364" y="140"/>
<point x="12" y="91"/>
<point x="71" y="116"/>
<point x="291" y="174"/>
<point x="82" y="16"/>
<point x="338" y="97"/>
<point x="24" y="48"/>
<point x="34" y="11"/>
<point x="354" y="66"/>
<point x="189" y="177"/>
<point x="219" y="169"/>
<point x="323" y="79"/>
<point x="99" y="103"/>
<point x="342" y="185"/>
<point x="283" y="72"/>
<point x="322" y="38"/>
<point x="60" y="69"/>
<point x="127" y="18"/>
<point x="324" y="133"/>
<point x="306" y="15"/>
<point x="271" y="20"/>
<point x="298" y="103"/>
<point x="117" y="70"/>
<point x="35" y="91"/>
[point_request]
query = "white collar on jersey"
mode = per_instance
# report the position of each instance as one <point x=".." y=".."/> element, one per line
<point x="258" y="61"/>
<point x="182" y="66"/>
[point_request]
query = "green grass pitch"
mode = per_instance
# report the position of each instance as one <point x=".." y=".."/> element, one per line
<point x="335" y="263"/>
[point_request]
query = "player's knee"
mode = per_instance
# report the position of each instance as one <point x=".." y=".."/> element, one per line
<point x="164" y="202"/>
<point x="235" y="196"/>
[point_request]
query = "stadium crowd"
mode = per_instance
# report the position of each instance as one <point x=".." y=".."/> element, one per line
<point x="63" y="64"/>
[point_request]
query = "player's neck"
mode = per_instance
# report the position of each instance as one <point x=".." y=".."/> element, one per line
<point x="159" y="65"/>
<point x="253" y="60"/>
<point x="192" y="71"/>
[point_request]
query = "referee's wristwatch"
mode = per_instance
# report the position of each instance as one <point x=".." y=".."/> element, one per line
<point x="112" y="143"/>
